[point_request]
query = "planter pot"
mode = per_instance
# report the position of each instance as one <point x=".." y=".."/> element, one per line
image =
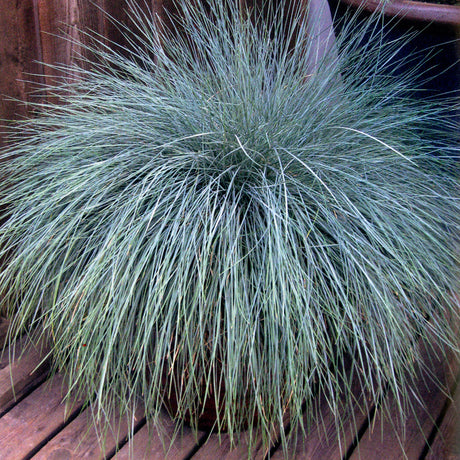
<point x="208" y="412"/>
<point x="434" y="40"/>
<point x="412" y="10"/>
<point x="206" y="408"/>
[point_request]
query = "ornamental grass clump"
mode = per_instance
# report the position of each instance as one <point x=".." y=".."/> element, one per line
<point x="224" y="214"/>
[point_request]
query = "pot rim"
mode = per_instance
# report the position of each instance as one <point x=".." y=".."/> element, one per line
<point x="412" y="10"/>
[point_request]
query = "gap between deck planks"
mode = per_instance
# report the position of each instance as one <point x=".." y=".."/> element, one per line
<point x="40" y="426"/>
<point x="446" y="442"/>
<point x="387" y="439"/>
<point x="27" y="370"/>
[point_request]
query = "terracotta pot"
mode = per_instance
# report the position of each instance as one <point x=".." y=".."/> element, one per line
<point x="205" y="406"/>
<point x="412" y="10"/>
<point x="207" y="419"/>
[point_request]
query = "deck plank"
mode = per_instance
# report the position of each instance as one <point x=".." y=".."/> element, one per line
<point x="384" y="439"/>
<point x="148" y="444"/>
<point x="221" y="448"/>
<point x="446" y="445"/>
<point x="39" y="420"/>
<point x="80" y="439"/>
<point x="327" y="439"/>
<point x="27" y="370"/>
<point x="30" y="422"/>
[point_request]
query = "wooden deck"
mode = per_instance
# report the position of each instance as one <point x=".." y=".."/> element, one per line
<point x="36" y="424"/>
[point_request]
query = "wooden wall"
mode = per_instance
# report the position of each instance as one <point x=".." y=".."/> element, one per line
<point x="18" y="50"/>
<point x="32" y="31"/>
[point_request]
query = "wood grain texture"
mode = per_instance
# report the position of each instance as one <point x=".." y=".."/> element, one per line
<point x="81" y="439"/>
<point x="222" y="449"/>
<point x="18" y="51"/>
<point x="59" y="35"/>
<point x="387" y="438"/>
<point x="34" y="419"/>
<point x="446" y="445"/>
<point x="23" y="372"/>
<point x="150" y="444"/>
<point x="69" y="27"/>
<point x="33" y="32"/>
<point x="329" y="435"/>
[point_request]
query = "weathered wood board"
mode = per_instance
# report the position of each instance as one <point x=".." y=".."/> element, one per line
<point x="43" y="427"/>
<point x="34" y="419"/>
<point x="18" y="53"/>
<point x="149" y="444"/>
<point x="391" y="438"/>
<point x="446" y="444"/>
<point x="26" y="371"/>
<point x="81" y="439"/>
